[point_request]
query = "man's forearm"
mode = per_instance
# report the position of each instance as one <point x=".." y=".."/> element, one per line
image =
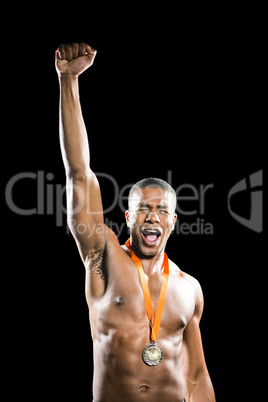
<point x="200" y="390"/>
<point x="73" y="135"/>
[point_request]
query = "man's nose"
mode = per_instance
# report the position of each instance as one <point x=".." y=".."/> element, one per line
<point x="152" y="217"/>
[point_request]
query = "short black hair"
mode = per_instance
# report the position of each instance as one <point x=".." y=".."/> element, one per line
<point x="153" y="182"/>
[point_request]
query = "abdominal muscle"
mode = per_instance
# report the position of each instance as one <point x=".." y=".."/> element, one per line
<point x="121" y="375"/>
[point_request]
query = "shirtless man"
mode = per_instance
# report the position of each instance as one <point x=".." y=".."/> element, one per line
<point x="117" y="310"/>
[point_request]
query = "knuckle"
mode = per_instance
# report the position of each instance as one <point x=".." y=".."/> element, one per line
<point x="82" y="48"/>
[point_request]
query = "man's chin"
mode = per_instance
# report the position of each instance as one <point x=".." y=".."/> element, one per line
<point x="150" y="248"/>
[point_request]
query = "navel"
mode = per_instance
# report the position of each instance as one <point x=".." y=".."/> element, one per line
<point x="144" y="388"/>
<point x="119" y="301"/>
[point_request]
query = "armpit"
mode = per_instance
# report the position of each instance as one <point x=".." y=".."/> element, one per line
<point x="95" y="262"/>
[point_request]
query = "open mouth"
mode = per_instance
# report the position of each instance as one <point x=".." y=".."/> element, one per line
<point x="150" y="235"/>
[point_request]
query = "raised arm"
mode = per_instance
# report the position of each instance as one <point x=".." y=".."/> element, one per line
<point x="84" y="205"/>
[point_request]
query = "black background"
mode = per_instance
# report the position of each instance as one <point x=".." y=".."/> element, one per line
<point x="180" y="92"/>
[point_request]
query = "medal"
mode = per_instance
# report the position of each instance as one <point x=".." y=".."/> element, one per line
<point x="152" y="354"/>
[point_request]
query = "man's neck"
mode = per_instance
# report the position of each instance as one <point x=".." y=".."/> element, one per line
<point x="151" y="264"/>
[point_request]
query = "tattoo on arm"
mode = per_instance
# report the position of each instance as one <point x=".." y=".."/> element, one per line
<point x="97" y="262"/>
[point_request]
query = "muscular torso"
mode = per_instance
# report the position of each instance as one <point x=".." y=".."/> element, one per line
<point x="120" y="330"/>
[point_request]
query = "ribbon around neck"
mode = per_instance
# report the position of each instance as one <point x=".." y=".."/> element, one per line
<point x="155" y="324"/>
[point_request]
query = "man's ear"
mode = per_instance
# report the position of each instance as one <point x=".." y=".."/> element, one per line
<point x="127" y="216"/>
<point x="174" y="220"/>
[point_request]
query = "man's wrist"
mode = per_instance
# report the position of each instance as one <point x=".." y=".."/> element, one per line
<point x="69" y="86"/>
<point x="67" y="78"/>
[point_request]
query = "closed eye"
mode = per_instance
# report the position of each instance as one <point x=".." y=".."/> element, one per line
<point x="164" y="211"/>
<point x="143" y="209"/>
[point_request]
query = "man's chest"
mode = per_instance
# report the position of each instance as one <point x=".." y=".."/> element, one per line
<point x="124" y="302"/>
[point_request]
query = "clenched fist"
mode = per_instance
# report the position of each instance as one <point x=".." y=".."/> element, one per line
<point x="74" y="58"/>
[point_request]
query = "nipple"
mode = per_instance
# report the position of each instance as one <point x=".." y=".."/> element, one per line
<point x="119" y="301"/>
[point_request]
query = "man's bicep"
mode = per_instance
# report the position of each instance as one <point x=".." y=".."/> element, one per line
<point x="196" y="376"/>
<point x="85" y="211"/>
<point x="193" y="354"/>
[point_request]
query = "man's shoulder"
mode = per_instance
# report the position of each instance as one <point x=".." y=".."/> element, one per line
<point x="193" y="282"/>
<point x="199" y="299"/>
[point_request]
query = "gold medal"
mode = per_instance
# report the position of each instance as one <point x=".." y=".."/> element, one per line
<point x="152" y="354"/>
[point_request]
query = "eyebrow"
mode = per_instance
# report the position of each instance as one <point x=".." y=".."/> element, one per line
<point x="159" y="206"/>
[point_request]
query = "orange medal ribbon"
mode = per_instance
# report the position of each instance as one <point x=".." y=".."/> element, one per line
<point x="148" y="302"/>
